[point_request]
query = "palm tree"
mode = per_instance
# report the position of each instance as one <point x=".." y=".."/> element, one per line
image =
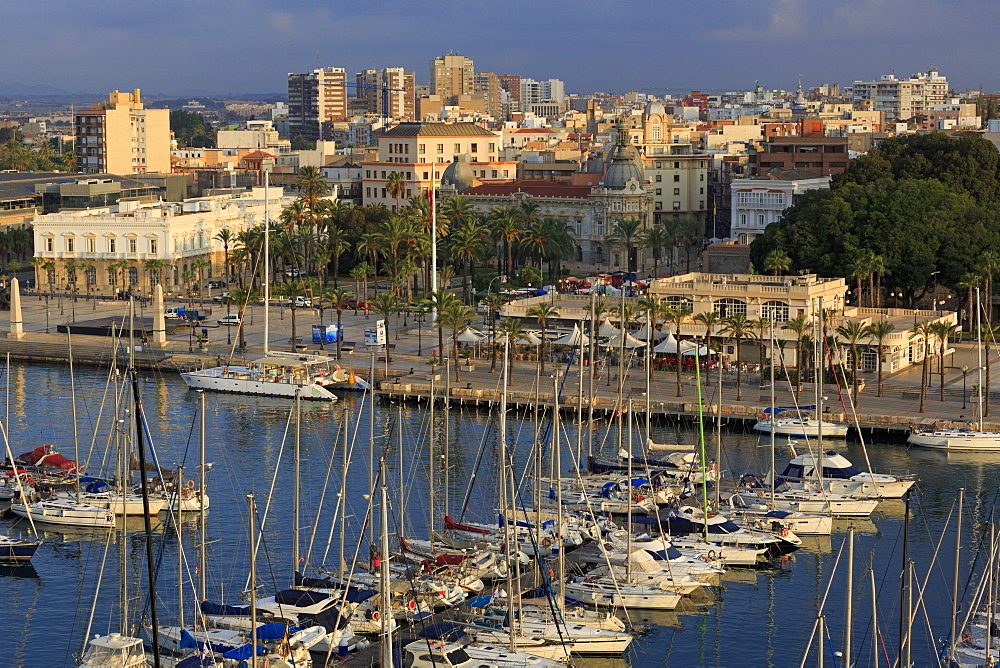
<point x="676" y="315"/>
<point x="386" y="304"/>
<point x="989" y="265"/>
<point x="466" y="246"/>
<point x="800" y="325"/>
<point x="455" y="316"/>
<point x="359" y="273"/>
<point x="292" y="290"/>
<point x="336" y="245"/>
<point x="396" y="186"/>
<point x="199" y="265"/>
<point x="711" y="320"/>
<point x="226" y="237"/>
<point x="188" y="278"/>
<point x="879" y="331"/>
<point x="738" y="327"/>
<point x="241" y="298"/>
<point x="656" y="239"/>
<point x="312" y="188"/>
<point x="852" y="332"/>
<point x="543" y="313"/>
<point x="494" y="303"/>
<point x="970" y="280"/>
<point x="154" y="269"/>
<point x="506" y="227"/>
<point x="777" y="262"/>
<point x="71" y="268"/>
<point x="627" y="234"/>
<point x="923" y="329"/>
<point x="942" y="332"/>
<point x="512" y="331"/>
<point x="458" y="212"/>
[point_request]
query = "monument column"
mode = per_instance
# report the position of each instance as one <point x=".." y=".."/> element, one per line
<point x="159" y="322"/>
<point x="16" y="323"/>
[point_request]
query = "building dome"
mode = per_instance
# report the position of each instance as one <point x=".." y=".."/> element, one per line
<point x="458" y="174"/>
<point x="654" y="106"/>
<point x="624" y="164"/>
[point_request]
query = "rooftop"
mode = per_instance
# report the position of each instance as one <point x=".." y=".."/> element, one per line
<point x="438" y="130"/>
<point x="21" y="185"/>
<point x="533" y="187"/>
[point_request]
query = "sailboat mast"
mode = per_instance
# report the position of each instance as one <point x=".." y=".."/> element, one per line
<point x="979" y="362"/>
<point x="72" y="394"/>
<point x="371" y="439"/>
<point x="297" y="484"/>
<point x="590" y="381"/>
<point x="252" y="513"/>
<point x="202" y="482"/>
<point x="267" y="263"/>
<point x="146" y="520"/>
<point x="773" y="413"/>
<point x="430" y="466"/>
<point x="701" y="437"/>
<point x="180" y="547"/>
<point x="502" y="479"/>
<point x="849" y="612"/>
<point x="556" y="453"/>
<point x="386" y="631"/>
<point x="649" y="346"/>
<point x="954" y="579"/>
<point x="343" y="493"/>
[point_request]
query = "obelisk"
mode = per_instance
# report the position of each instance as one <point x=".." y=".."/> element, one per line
<point x="16" y="323"/>
<point x="159" y="322"/>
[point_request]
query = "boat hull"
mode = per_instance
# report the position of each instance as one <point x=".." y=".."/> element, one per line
<point x="217" y="380"/>
<point x="69" y="514"/>
<point x="16" y="551"/>
<point x="802" y="428"/>
<point x="958" y="441"/>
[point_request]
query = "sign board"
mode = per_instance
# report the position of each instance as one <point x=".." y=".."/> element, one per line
<point x="326" y="333"/>
<point x="375" y="336"/>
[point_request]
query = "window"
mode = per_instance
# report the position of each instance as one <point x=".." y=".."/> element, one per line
<point x="743" y="219"/>
<point x="778" y="309"/>
<point x="677" y="205"/>
<point x="91" y="276"/>
<point x="48" y="244"/>
<point x="421" y="148"/>
<point x="475" y="148"/>
<point x="133" y="276"/>
<point x="383" y="173"/>
<point x="154" y="246"/>
<point x="91" y="245"/>
<point x="458" y="148"/>
<point x="133" y="245"/>
<point x="676" y="301"/>
<point x="368" y="173"/>
<point x="112" y="277"/>
<point x="368" y="192"/>
<point x="383" y="192"/>
<point x="600" y="227"/>
<point x="425" y="175"/>
<point x="505" y="173"/>
<point x="701" y="204"/>
<point x="659" y="191"/>
<point x="659" y="178"/>
<point x="677" y="191"/>
<point x="701" y="191"/>
<point x="579" y="227"/>
<point x="677" y="178"/>
<point x="440" y="148"/>
<point x="494" y="174"/>
<point x="729" y="307"/>
<point x="701" y="177"/>
<point x="493" y="148"/>
<point x="659" y="205"/>
<point x="659" y="165"/>
<point x="111" y="244"/>
<point x="616" y="206"/>
<point x="760" y="219"/>
<point x="677" y="165"/>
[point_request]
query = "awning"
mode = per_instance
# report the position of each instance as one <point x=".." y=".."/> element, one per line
<point x="630" y="342"/>
<point x="574" y="338"/>
<point x="469" y="335"/>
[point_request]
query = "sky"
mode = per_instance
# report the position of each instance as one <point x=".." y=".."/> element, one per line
<point x="179" y="47"/>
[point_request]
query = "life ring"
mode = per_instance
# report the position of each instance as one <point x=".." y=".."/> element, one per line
<point x="190" y="484"/>
<point x="376" y="615"/>
<point x="546" y="542"/>
<point x="29" y="481"/>
<point x="704" y="557"/>
<point x="966" y="637"/>
<point x="760" y="493"/>
<point x="412" y="605"/>
<point x="784" y="532"/>
<point x="712" y="555"/>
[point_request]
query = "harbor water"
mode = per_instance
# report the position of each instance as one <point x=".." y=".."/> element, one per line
<point x="760" y="617"/>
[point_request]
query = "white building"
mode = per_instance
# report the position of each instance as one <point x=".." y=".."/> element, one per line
<point x="111" y="247"/>
<point x="550" y="90"/>
<point x="901" y="99"/>
<point x="756" y="203"/>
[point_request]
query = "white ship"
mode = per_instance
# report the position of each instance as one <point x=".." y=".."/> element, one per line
<point x="277" y="375"/>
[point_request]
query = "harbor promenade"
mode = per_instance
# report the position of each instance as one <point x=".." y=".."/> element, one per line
<point x="407" y="373"/>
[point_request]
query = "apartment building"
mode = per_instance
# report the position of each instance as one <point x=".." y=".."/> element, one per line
<point x="452" y="74"/>
<point x="901" y="99"/>
<point x="756" y="203"/>
<point x="389" y="92"/>
<point x="422" y="151"/>
<point x="316" y="98"/>
<point x="121" y="136"/>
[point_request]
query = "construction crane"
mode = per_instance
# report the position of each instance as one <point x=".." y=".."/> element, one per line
<point x="384" y="88"/>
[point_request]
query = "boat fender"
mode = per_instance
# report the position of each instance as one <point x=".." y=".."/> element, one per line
<point x="190" y="484"/>
<point x="761" y="494"/>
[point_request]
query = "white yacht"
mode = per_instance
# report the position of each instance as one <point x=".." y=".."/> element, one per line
<point x="840" y="476"/>
<point x="65" y="511"/>
<point x="815" y="501"/>
<point x="276" y="375"/>
<point x="800" y="426"/>
<point x="129" y="504"/>
<point x="954" y="435"/>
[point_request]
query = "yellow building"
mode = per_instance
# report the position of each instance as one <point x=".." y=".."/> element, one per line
<point x="121" y="136"/>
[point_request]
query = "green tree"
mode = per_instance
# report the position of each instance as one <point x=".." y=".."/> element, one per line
<point x="943" y="331"/>
<point x="396" y="186"/>
<point x="199" y="266"/>
<point x="455" y="317"/>
<point x="226" y="237"/>
<point x="542" y="312"/>
<point x="506" y="226"/>
<point x="300" y="143"/>
<point x="191" y="129"/>
<point x="386" y="305"/>
<point x="924" y="330"/>
<point x="337" y="297"/>
<point x="852" y="332"/>
<point x="738" y="327"/>
<point x="292" y="290"/>
<point x="800" y="326"/>
<point x="677" y="316"/>
<point x="511" y="331"/>
<point x="777" y="262"/>
<point x="657" y="240"/>
<point x="879" y="331"/>
<point x="710" y="320"/>
<point x="627" y="234"/>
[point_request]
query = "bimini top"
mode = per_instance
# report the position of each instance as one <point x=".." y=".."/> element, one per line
<point x="779" y="409"/>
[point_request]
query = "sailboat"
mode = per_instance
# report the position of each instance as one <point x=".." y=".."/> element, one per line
<point x="276" y="374"/>
<point x="960" y="435"/>
<point x="772" y="421"/>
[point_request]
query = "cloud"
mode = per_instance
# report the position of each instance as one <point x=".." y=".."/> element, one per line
<point x="788" y="20"/>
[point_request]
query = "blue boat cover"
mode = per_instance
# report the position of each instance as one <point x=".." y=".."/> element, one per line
<point x="197" y="661"/>
<point x="97" y="486"/>
<point x="479" y="601"/>
<point x="642" y="519"/>
<point x="299" y="597"/>
<point x="442" y="631"/>
<point x="780" y="514"/>
<point x="243" y="653"/>
<point x="778" y="409"/>
<point x="360" y="595"/>
<point x="501" y="518"/>
<point x="188" y="641"/>
<point x="275" y="631"/>
<point x="210" y="608"/>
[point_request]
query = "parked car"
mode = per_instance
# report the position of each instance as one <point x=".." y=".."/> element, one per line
<point x="293" y="272"/>
<point x="222" y="297"/>
<point x="216" y="284"/>
<point x="301" y="302"/>
<point x="353" y="303"/>
<point x="231" y="320"/>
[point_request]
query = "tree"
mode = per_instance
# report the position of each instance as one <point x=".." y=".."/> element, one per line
<point x="226" y="237"/>
<point x="396" y="186"/>
<point x="191" y="129"/>
<point x="627" y="234"/>
<point x="455" y="316"/>
<point x="494" y="303"/>
<point x="506" y="227"/>
<point x="800" y="325"/>
<point x="511" y="331"/>
<point x="242" y="298"/>
<point x="336" y="245"/>
<point x="879" y="331"/>
<point x="529" y="276"/>
<point x="852" y="332"/>
<point x="989" y="266"/>
<point x="676" y="315"/>
<point x="292" y="290"/>
<point x="386" y="305"/>
<point x="199" y="266"/>
<point x="777" y="262"/>
<point x="542" y="312"/>
<point x="924" y="330"/>
<point x="188" y="278"/>
<point x="710" y="320"/>
<point x="738" y="327"/>
<point x="942" y="332"/>
<point x="359" y="273"/>
<point x="657" y="240"/>
<point x="300" y="143"/>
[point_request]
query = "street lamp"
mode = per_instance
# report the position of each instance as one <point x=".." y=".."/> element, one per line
<point x="419" y="318"/>
<point x="965" y="370"/>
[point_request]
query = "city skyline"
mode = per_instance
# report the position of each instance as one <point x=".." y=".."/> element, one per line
<point x="194" y="47"/>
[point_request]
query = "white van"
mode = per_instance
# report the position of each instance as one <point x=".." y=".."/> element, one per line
<point x="233" y="320"/>
<point x="173" y="312"/>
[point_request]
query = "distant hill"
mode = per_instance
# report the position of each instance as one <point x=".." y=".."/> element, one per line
<point x="31" y="90"/>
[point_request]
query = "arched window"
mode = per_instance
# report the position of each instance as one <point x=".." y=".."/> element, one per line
<point x="91" y="276"/>
<point x="676" y="301"/>
<point x="133" y="276"/>
<point x="778" y="309"/>
<point x="729" y="307"/>
<point x="112" y="277"/>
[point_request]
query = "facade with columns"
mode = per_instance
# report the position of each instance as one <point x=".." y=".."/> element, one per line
<point x="110" y="248"/>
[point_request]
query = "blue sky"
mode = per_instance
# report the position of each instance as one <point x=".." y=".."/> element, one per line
<point x="192" y="46"/>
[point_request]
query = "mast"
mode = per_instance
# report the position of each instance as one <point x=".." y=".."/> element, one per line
<point x="954" y="580"/>
<point x="430" y="467"/>
<point x="434" y="245"/>
<point x="849" y="612"/>
<point x="180" y="547"/>
<point x="72" y="394"/>
<point x="718" y="430"/>
<point x="399" y="445"/>
<point x="590" y="382"/>
<point x="386" y="631"/>
<point x="343" y="493"/>
<point x="267" y="263"/>
<point x="502" y="474"/>
<point x="773" y="413"/>
<point x="556" y="448"/>
<point x="991" y="601"/>
<point x="820" y="381"/>
<point x="701" y="438"/>
<point x="579" y="401"/>
<point x="649" y="346"/>
<point x="903" y="610"/>
<point x="371" y="439"/>
<point x="252" y="512"/>
<point x="202" y="482"/>
<point x="447" y="437"/>
<point x="298" y="481"/>
<point x="875" y="635"/>
<point x="147" y="524"/>
<point x="979" y="362"/>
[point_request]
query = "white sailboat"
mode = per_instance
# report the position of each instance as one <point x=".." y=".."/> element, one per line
<point x="799" y="426"/>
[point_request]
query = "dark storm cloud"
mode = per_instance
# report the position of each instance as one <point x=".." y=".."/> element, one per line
<point x="249" y="45"/>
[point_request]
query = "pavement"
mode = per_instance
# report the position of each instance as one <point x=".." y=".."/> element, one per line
<point x="413" y="347"/>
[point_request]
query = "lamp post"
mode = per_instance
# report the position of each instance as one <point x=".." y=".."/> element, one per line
<point x="419" y="318"/>
<point x="965" y="370"/>
<point x="191" y="321"/>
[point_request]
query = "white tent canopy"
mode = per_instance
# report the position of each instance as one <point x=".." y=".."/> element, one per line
<point x="644" y="333"/>
<point x="574" y="338"/>
<point x="469" y="335"/>
<point x="630" y="342"/>
<point x="530" y="339"/>
<point x="607" y="330"/>
<point x="668" y="345"/>
<point x="688" y="348"/>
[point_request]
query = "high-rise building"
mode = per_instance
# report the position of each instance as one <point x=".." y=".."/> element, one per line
<point x="399" y="103"/>
<point x="902" y="99"/>
<point x="315" y="98"/>
<point x="487" y="85"/>
<point x="121" y="136"/>
<point x="512" y="84"/>
<point x="550" y="90"/>
<point x="452" y="75"/>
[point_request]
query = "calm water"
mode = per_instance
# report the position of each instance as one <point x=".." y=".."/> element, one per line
<point x="759" y="617"/>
